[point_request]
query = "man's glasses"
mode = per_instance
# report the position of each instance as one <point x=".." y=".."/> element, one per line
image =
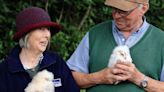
<point x="121" y="12"/>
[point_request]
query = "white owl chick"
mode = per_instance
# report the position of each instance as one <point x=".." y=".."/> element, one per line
<point x="120" y="53"/>
<point x="41" y="82"/>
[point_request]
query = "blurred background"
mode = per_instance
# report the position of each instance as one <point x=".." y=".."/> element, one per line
<point x="75" y="16"/>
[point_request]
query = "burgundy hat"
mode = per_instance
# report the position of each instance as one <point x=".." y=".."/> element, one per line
<point x="31" y="18"/>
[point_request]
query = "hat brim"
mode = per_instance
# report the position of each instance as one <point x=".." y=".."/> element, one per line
<point x="55" y="28"/>
<point x="121" y="4"/>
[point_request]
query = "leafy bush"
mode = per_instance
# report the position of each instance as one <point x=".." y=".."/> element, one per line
<point x="76" y="17"/>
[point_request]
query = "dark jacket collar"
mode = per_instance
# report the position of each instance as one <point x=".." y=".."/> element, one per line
<point x="15" y="65"/>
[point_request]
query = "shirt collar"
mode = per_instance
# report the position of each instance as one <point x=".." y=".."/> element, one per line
<point x="144" y="25"/>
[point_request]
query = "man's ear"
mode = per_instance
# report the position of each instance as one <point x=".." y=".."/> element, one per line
<point x="145" y="8"/>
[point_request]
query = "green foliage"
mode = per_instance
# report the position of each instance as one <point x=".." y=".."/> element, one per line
<point x="75" y="16"/>
<point x="155" y="14"/>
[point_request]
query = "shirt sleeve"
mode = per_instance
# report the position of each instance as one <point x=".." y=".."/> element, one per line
<point x="162" y="73"/>
<point x="80" y="58"/>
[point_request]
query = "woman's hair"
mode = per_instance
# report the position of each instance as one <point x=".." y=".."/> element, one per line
<point x="23" y="41"/>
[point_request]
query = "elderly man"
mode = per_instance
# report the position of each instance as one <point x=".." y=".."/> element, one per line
<point x="129" y="27"/>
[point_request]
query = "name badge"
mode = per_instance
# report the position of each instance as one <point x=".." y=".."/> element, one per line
<point x="57" y="82"/>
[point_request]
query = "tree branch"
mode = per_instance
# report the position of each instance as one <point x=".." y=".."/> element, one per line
<point x="85" y="17"/>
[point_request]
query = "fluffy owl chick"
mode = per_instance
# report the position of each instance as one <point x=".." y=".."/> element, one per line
<point x="41" y="82"/>
<point x="120" y="53"/>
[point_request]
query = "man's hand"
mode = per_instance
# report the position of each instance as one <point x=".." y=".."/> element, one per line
<point x="129" y="72"/>
<point x="107" y="76"/>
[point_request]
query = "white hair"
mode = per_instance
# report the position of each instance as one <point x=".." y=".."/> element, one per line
<point x="23" y="41"/>
<point x="140" y="6"/>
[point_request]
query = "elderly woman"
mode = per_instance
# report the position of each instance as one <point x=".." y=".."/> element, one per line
<point x="31" y="56"/>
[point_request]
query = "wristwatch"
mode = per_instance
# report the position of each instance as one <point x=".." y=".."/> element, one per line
<point x="144" y="82"/>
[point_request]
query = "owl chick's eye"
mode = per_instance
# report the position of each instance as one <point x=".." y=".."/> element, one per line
<point x="47" y="79"/>
<point x="121" y="53"/>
